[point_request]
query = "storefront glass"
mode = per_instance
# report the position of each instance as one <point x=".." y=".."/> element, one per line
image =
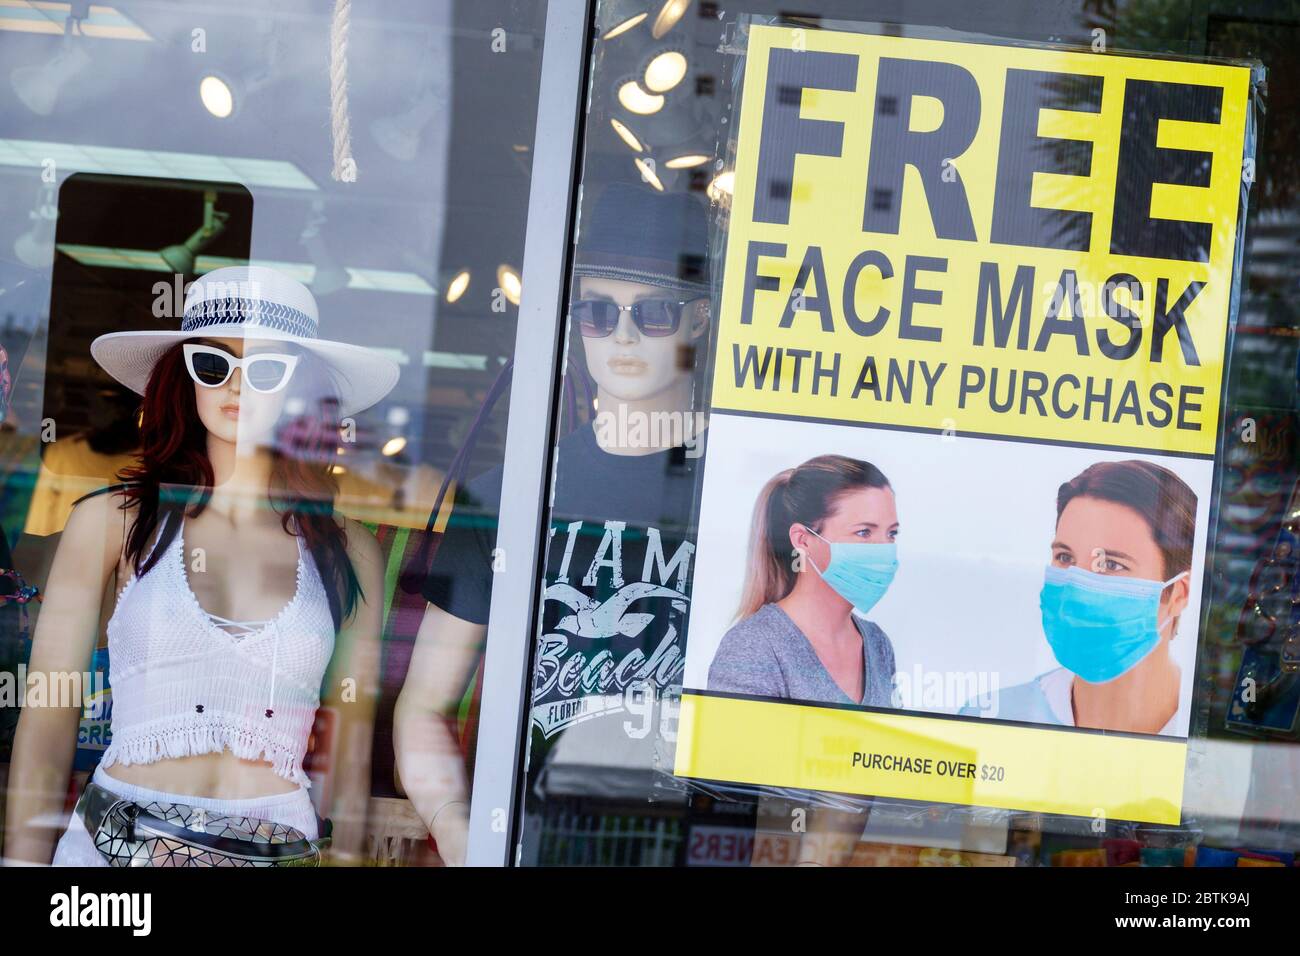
<point x="372" y="163"/>
<point x="818" y="587"/>
<point x="861" y="435"/>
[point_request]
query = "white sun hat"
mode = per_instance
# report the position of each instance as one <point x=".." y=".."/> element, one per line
<point x="251" y="302"/>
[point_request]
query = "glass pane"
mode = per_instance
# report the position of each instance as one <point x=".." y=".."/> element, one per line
<point x="261" y="266"/>
<point x="821" y="587"/>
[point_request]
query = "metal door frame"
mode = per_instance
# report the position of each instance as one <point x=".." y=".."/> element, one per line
<point x="521" y="534"/>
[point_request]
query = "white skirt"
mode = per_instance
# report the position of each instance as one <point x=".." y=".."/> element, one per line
<point x="295" y="809"/>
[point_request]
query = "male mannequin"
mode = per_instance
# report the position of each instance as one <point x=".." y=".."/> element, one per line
<point x="621" y="529"/>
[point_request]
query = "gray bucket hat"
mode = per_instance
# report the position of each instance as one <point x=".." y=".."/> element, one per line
<point x="637" y="234"/>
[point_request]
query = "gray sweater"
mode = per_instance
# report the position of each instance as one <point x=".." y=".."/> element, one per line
<point x="766" y="655"/>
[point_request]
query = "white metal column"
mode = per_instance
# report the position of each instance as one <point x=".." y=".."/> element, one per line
<point x="538" y="350"/>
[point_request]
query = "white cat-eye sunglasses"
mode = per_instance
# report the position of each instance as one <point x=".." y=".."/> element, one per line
<point x="261" y="371"/>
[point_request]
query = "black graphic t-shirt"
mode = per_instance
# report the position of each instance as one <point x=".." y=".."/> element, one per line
<point x="618" y="571"/>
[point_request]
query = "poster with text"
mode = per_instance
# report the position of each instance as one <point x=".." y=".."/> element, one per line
<point x="966" y="409"/>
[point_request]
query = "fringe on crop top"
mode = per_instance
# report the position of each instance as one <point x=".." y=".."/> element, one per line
<point x="182" y="685"/>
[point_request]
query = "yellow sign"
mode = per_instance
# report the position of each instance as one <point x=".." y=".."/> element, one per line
<point x="983" y="240"/>
<point x="994" y="242"/>
<point x="969" y="762"/>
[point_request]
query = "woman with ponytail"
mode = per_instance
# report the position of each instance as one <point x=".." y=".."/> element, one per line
<point x="805" y="636"/>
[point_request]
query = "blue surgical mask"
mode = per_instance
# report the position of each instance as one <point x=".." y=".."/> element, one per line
<point x="1099" y="625"/>
<point x="859" y="571"/>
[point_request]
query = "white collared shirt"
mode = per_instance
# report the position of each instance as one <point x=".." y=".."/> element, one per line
<point x="1055" y="686"/>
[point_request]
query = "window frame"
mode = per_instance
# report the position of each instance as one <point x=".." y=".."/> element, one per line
<point x="521" y="528"/>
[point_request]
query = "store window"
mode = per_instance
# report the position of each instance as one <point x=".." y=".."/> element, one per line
<point x="259" y="283"/>
<point x="886" y="456"/>
<point x="925" y="486"/>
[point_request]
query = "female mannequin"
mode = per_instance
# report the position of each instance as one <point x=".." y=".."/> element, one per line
<point x="225" y="488"/>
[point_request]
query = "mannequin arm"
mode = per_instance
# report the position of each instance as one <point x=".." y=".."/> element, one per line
<point x="429" y="760"/>
<point x="353" y="689"/>
<point x="66" y="631"/>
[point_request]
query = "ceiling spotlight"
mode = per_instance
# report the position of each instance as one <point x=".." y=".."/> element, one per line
<point x="38" y="87"/>
<point x="723" y="186"/>
<point x="222" y="94"/>
<point x="626" y="135"/>
<point x="668" y="16"/>
<point x="35" y="247"/>
<point x="647" y="170"/>
<point x="180" y="258"/>
<point x="616" y="17"/>
<point x="393" y="446"/>
<point x="664" y="71"/>
<point x="216" y="96"/>
<point x="636" y="100"/>
<point x="686" y="161"/>
<point x="457" y="286"/>
<point x="671" y="123"/>
<point x="509" y="283"/>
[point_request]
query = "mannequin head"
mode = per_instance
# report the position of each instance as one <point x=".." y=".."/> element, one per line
<point x="642" y="247"/>
<point x="185" y="424"/>
<point x="297" y="420"/>
<point x="234" y="413"/>
<point x="279" y="412"/>
<point x="629" y="365"/>
<point x="248" y="388"/>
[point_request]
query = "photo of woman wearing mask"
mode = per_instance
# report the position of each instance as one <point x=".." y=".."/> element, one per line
<point x="1112" y="595"/>
<point x="805" y="636"/>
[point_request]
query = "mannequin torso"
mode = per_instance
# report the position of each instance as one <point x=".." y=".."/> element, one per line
<point x="242" y="567"/>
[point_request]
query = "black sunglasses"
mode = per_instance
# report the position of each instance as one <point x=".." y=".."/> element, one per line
<point x="655" y="318"/>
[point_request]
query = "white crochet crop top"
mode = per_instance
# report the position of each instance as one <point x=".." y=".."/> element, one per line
<point x="183" y="685"/>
